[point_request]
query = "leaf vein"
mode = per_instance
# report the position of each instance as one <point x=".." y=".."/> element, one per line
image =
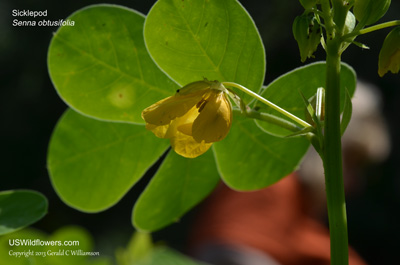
<point x="106" y="65"/>
<point x="96" y="149"/>
<point x="261" y="144"/>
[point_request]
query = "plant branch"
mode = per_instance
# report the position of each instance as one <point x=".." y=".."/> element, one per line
<point x="371" y="29"/>
<point x="268" y="103"/>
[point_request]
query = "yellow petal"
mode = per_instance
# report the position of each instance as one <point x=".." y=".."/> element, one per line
<point x="184" y="124"/>
<point x="185" y="128"/>
<point x="164" y="111"/>
<point x="186" y="146"/>
<point x="180" y="134"/>
<point x="214" y="120"/>
<point x="197" y="115"/>
<point x="159" y="131"/>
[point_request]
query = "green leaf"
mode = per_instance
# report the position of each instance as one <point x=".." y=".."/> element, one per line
<point x="20" y="208"/>
<point x="284" y="92"/>
<point x="250" y="159"/>
<point x="307" y="103"/>
<point x="100" y="66"/>
<point x="140" y="251"/>
<point x="167" y="256"/>
<point x="316" y="138"/>
<point x="370" y="11"/>
<point x="179" y="184"/>
<point x="74" y="235"/>
<point x="191" y="40"/>
<point x="347" y="111"/>
<point x="13" y="243"/>
<point x="92" y="164"/>
<point x="361" y="45"/>
<point x="139" y="248"/>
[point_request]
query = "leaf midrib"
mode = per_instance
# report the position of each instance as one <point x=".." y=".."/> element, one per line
<point x="205" y="54"/>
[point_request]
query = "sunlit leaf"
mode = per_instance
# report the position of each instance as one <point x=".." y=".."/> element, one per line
<point x="191" y="40"/>
<point x="179" y="184"/>
<point x="284" y="92"/>
<point x="100" y="66"/>
<point x="250" y="159"/>
<point x="139" y="248"/>
<point x="92" y="164"/>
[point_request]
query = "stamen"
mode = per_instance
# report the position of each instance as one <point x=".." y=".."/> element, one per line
<point x="201" y="104"/>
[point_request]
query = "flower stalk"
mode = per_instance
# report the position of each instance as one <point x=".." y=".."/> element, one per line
<point x="268" y="103"/>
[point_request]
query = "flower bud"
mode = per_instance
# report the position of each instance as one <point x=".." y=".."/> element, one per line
<point x="370" y="11"/>
<point x="307" y="33"/>
<point x="350" y="23"/>
<point x="307" y="4"/>
<point x="389" y="56"/>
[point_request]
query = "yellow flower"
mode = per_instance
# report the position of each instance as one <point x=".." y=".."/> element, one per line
<point x="196" y="116"/>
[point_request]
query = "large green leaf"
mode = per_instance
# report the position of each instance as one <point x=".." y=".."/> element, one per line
<point x="191" y="40"/>
<point x="101" y="68"/>
<point x="250" y="159"/>
<point x="284" y="91"/>
<point x="179" y="184"/>
<point x="92" y="164"/>
<point x="20" y="208"/>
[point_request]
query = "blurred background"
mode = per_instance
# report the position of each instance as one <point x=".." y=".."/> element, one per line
<point x="30" y="108"/>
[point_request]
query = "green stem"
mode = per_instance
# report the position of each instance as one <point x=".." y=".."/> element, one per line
<point x="268" y="103"/>
<point x="272" y="119"/>
<point x="327" y="11"/>
<point x="318" y="12"/>
<point x="371" y="29"/>
<point x="333" y="158"/>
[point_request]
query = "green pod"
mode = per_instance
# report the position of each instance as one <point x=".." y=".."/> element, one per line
<point x="370" y="11"/>
<point x="307" y="4"/>
<point x="307" y="33"/>
<point x="389" y="56"/>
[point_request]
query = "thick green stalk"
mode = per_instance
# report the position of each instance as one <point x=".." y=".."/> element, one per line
<point x="332" y="149"/>
<point x="333" y="158"/>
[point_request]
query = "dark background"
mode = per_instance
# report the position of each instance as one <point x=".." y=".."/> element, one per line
<point x="30" y="108"/>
